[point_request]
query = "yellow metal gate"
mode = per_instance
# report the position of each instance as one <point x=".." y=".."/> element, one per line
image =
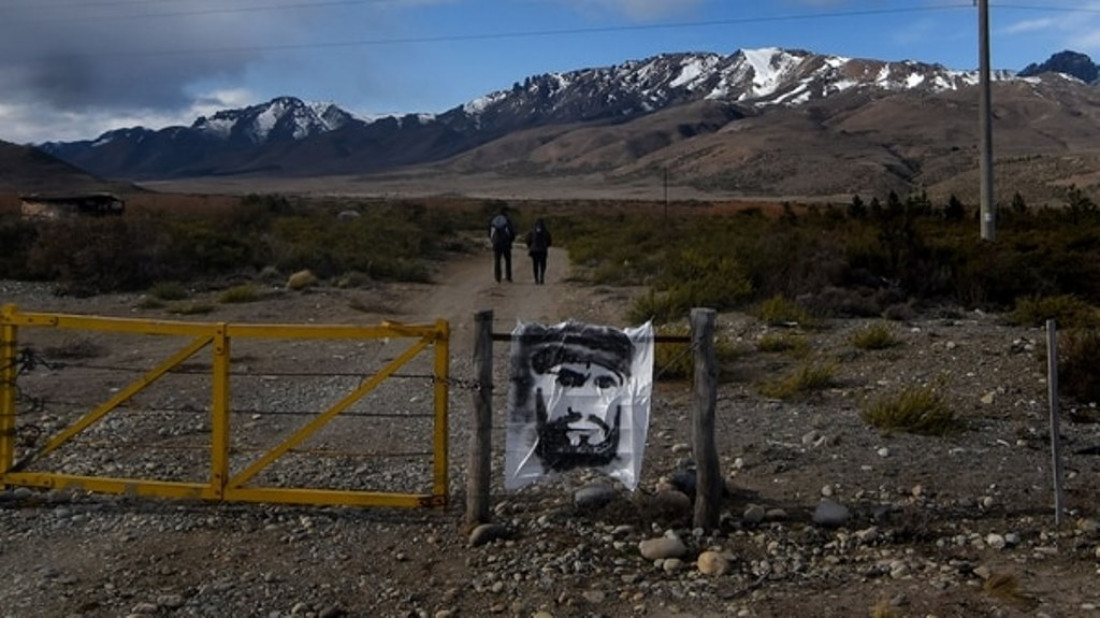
<point x="251" y="451"/>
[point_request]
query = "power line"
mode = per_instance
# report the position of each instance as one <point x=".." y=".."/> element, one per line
<point x="485" y="36"/>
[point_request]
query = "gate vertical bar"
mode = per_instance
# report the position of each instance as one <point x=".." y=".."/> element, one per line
<point x="442" y="393"/>
<point x="8" y="373"/>
<point x="219" y="413"/>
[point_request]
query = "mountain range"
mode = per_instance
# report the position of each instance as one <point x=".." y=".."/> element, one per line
<point x="756" y="122"/>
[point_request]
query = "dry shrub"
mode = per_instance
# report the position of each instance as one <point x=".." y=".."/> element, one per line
<point x="1078" y="369"/>
<point x="795" y="344"/>
<point x="916" y="409"/>
<point x="676" y="361"/>
<point x="244" y="293"/>
<point x="168" y="290"/>
<point x="1006" y="587"/>
<point x="877" y="336"/>
<point x="781" y="311"/>
<point x="806" y="379"/>
<point x="1065" y="309"/>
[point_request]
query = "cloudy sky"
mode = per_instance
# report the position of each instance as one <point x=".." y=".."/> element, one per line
<point x="72" y="69"/>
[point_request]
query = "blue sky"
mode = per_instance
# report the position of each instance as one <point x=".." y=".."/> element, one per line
<point x="72" y="69"/>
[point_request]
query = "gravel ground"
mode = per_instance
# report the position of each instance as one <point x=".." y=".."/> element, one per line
<point x="824" y="516"/>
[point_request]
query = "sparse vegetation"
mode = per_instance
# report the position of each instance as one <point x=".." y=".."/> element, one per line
<point x="168" y="290"/>
<point x="807" y="378"/>
<point x="676" y="361"/>
<point x="793" y="343"/>
<point x="1078" y="369"/>
<point x="795" y="263"/>
<point x="244" y="293"/>
<point x="1006" y="587"/>
<point x="779" y="311"/>
<point x="1066" y="310"/>
<point x="916" y="409"/>
<point x="877" y="336"/>
<point x="389" y="241"/>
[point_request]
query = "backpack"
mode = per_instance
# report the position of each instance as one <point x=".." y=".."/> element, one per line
<point x="500" y="231"/>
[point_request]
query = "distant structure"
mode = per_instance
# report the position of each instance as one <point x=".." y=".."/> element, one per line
<point x="62" y="206"/>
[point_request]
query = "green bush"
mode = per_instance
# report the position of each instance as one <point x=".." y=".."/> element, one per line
<point x="916" y="409"/>
<point x="877" y="336"/>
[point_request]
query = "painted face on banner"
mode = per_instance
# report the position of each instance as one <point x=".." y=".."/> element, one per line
<point x="578" y="397"/>
<point x="578" y="408"/>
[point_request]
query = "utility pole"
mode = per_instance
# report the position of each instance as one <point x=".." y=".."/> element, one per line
<point x="988" y="207"/>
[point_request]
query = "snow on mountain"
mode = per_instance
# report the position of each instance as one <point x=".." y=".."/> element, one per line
<point x="751" y="80"/>
<point x="755" y="77"/>
<point x="282" y="117"/>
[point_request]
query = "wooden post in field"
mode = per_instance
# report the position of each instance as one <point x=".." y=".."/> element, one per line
<point x="480" y="459"/>
<point x="1055" y="424"/>
<point x="708" y="481"/>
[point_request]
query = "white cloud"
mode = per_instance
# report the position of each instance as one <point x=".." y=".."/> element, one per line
<point x="1029" y="25"/>
<point x="1077" y="29"/>
<point x="26" y="123"/>
<point x="70" y="71"/>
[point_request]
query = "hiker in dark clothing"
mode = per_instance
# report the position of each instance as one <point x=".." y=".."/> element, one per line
<point x="501" y="234"/>
<point x="538" y="245"/>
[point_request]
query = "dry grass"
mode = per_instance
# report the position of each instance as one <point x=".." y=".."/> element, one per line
<point x="1006" y="587"/>
<point x="806" y="379"/>
<point x="877" y="336"/>
<point x="916" y="409"/>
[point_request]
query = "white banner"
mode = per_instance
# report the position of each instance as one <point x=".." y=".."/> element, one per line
<point x="578" y="397"/>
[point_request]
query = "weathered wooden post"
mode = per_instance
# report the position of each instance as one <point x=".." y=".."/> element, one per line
<point x="481" y="449"/>
<point x="1055" y="425"/>
<point x="708" y="482"/>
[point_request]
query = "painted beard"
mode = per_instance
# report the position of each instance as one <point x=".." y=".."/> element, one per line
<point x="563" y="447"/>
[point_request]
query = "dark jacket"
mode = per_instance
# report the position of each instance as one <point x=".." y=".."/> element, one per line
<point x="538" y="239"/>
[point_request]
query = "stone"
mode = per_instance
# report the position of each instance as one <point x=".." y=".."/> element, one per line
<point x="662" y="548"/>
<point x="830" y="514"/>
<point x="754" y="514"/>
<point x="301" y="280"/>
<point x="712" y="563"/>
<point x="595" y="496"/>
<point x="486" y="533"/>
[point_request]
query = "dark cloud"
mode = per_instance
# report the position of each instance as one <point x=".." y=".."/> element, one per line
<point x="127" y="55"/>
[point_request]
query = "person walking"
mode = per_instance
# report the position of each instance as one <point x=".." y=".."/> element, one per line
<point x="538" y="246"/>
<point x="501" y="235"/>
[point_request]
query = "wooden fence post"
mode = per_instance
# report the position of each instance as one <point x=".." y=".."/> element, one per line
<point x="708" y="481"/>
<point x="1055" y="425"/>
<point x="481" y="450"/>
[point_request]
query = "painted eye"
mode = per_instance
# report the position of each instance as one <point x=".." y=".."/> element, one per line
<point x="606" y="382"/>
<point x="570" y="378"/>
